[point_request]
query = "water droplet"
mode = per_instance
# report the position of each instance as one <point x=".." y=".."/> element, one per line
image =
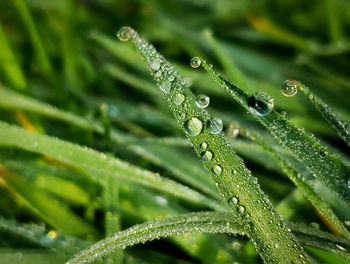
<point x="214" y="125"/>
<point x="193" y="126"/>
<point x="323" y="154"/>
<point x="165" y="86"/>
<point x="234" y="172"/>
<point x="178" y="99"/>
<point x="155" y="65"/>
<point x="232" y="131"/>
<point x="289" y="88"/>
<point x="202" y="101"/>
<point x="158" y="74"/>
<point x="206" y="155"/>
<point x="276" y="245"/>
<point x="340" y="247"/>
<point x="203" y="146"/>
<point x="233" y="200"/>
<point x="171" y="78"/>
<point x="260" y="103"/>
<point x="124" y="33"/>
<point x="241" y="209"/>
<point x="182" y="116"/>
<point x="195" y="62"/>
<point x="349" y="183"/>
<point x="236" y="245"/>
<point x="217" y="170"/>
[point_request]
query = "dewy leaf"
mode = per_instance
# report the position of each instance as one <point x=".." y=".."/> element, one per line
<point x="303" y="185"/>
<point x="209" y="222"/>
<point x="235" y="182"/>
<point x="100" y="167"/>
<point x="158" y="228"/>
<point x="342" y="127"/>
<point x="324" y="165"/>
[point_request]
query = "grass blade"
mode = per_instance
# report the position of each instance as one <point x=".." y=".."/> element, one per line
<point x="303" y="185"/>
<point x="158" y="228"/>
<point x="100" y="167"/>
<point x="342" y="127"/>
<point x="306" y="149"/>
<point x="233" y="179"/>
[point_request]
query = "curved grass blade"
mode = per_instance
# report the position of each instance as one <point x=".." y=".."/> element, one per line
<point x="150" y="148"/>
<point x="38" y="235"/>
<point x="209" y="222"/>
<point x="306" y="189"/>
<point x="342" y="127"/>
<point x="158" y="228"/>
<point x="45" y="205"/>
<point x="100" y="167"/>
<point x="235" y="182"/>
<point x="306" y="149"/>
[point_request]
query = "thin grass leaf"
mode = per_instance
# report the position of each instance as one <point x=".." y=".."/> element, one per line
<point x="39" y="235"/>
<point x="100" y="167"/>
<point x="209" y="222"/>
<point x="315" y="199"/>
<point x="342" y="127"/>
<point x="34" y="37"/>
<point x="9" y="65"/>
<point x="306" y="149"/>
<point x="233" y="179"/>
<point x="154" y="149"/>
<point x="46" y="206"/>
<point x="159" y="228"/>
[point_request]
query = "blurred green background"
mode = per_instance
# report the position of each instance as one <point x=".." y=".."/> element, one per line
<point x="65" y="53"/>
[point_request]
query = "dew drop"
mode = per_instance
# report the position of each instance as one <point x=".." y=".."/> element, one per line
<point x="182" y="116"/>
<point x="233" y="200"/>
<point x="165" y="86"/>
<point x="155" y="65"/>
<point x="206" y="155"/>
<point x="171" y="78"/>
<point x="158" y="74"/>
<point x="236" y="245"/>
<point x="349" y="183"/>
<point x="193" y="126"/>
<point x="289" y="88"/>
<point x="232" y="131"/>
<point x="217" y="170"/>
<point x="260" y="103"/>
<point x="178" y="99"/>
<point x="202" y="101"/>
<point x="203" y="145"/>
<point x="241" y="209"/>
<point x="214" y="125"/>
<point x="124" y="33"/>
<point x="195" y="62"/>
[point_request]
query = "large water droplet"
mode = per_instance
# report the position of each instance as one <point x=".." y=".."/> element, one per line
<point x="155" y="65"/>
<point x="195" y="62"/>
<point x="178" y="99"/>
<point x="124" y="33"/>
<point x="165" y="86"/>
<point x="193" y="126"/>
<point x="217" y="170"/>
<point x="289" y="88"/>
<point x="233" y="200"/>
<point x="260" y="103"/>
<point x="214" y="125"/>
<point x="202" y="101"/>
<point x="206" y="155"/>
<point x="241" y="209"/>
<point x="203" y="145"/>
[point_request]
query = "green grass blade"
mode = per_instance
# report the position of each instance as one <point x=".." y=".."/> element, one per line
<point x="34" y="37"/>
<point x="38" y="235"/>
<point x="9" y="64"/>
<point x="161" y="155"/>
<point x="317" y="159"/>
<point x="46" y="206"/>
<point x="303" y="185"/>
<point x="100" y="167"/>
<point x="342" y="127"/>
<point x="159" y="228"/>
<point x="233" y="179"/>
